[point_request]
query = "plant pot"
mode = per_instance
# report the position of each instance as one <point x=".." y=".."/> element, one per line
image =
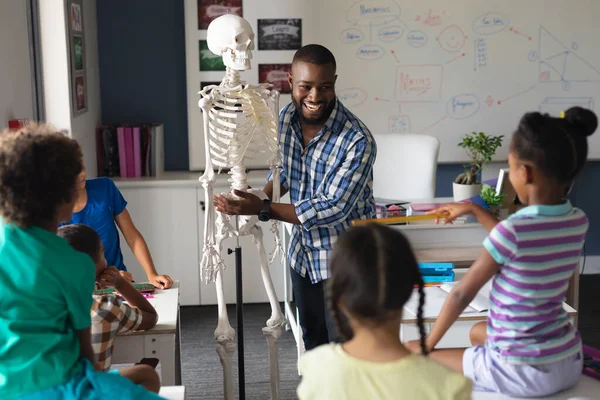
<point x="462" y="192"/>
<point x="495" y="211"/>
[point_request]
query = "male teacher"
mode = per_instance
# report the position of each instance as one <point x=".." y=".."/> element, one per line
<point x="328" y="156"/>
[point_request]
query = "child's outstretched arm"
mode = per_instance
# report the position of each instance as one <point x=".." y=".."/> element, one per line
<point x="482" y="270"/>
<point x="111" y="277"/>
<point x="138" y="245"/>
<point x="455" y="210"/>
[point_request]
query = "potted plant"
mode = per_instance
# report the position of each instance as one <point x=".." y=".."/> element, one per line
<point x="493" y="200"/>
<point x="480" y="149"/>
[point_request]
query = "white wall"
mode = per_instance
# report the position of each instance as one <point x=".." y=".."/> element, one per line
<point x="83" y="127"/>
<point x="253" y="10"/>
<point x="55" y="70"/>
<point x="16" y="95"/>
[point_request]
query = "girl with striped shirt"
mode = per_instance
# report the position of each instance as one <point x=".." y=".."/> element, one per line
<point x="528" y="347"/>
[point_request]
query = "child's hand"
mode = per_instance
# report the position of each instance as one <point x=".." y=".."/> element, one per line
<point x="110" y="277"/>
<point x="127" y="276"/>
<point x="453" y="211"/>
<point x="161" y="281"/>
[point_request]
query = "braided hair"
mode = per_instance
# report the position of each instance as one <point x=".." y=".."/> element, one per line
<point x="373" y="273"/>
<point x="557" y="146"/>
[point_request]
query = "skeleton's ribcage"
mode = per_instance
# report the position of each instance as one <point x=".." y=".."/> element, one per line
<point x="241" y="128"/>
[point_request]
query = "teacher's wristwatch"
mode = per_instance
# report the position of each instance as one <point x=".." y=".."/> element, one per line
<point x="265" y="214"/>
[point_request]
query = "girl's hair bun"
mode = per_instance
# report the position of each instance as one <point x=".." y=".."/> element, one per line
<point x="584" y="121"/>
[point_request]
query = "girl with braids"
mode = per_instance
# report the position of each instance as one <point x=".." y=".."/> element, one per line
<point x="373" y="273"/>
<point x="528" y="346"/>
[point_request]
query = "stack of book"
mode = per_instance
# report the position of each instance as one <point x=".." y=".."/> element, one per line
<point x="424" y="208"/>
<point x="130" y="151"/>
<point x="390" y="208"/>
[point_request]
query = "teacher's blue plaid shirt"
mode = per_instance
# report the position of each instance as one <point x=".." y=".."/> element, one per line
<point x="330" y="183"/>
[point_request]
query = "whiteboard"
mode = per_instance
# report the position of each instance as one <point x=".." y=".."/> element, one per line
<point x="446" y="68"/>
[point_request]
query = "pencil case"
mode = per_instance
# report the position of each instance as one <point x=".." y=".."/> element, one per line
<point x="437" y="272"/>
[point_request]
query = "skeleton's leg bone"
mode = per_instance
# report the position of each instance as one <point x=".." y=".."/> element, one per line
<point x="272" y="335"/>
<point x="277" y="317"/>
<point x="224" y="333"/>
<point x="275" y="324"/>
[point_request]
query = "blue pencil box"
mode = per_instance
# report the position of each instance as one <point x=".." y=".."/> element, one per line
<point x="437" y="272"/>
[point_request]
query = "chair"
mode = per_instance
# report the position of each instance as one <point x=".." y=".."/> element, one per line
<point x="406" y="166"/>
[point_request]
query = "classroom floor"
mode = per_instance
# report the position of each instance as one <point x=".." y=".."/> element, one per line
<point x="202" y="372"/>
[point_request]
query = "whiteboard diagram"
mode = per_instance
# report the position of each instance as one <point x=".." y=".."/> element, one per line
<point x="559" y="63"/>
<point x="446" y="68"/>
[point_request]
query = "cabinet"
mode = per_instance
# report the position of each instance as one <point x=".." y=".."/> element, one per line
<point x="167" y="218"/>
<point x="169" y="212"/>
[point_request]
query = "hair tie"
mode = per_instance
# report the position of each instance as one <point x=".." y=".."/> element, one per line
<point x="562" y="114"/>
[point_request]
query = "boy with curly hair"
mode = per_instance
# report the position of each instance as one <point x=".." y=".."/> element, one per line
<point x="46" y="286"/>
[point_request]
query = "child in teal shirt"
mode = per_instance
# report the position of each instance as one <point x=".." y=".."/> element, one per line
<point x="46" y="287"/>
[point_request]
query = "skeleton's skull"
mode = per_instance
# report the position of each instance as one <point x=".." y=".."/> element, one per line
<point x="231" y="37"/>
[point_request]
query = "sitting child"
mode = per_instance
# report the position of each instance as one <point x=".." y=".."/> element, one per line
<point x="46" y="286"/>
<point x="101" y="206"/>
<point x="529" y="347"/>
<point x="110" y="315"/>
<point x="373" y="273"/>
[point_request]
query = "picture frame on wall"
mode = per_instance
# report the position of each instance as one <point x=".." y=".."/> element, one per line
<point x="279" y="34"/>
<point x="208" y="10"/>
<point x="77" y="56"/>
<point x="80" y="94"/>
<point x="75" y="15"/>
<point x="209" y="61"/>
<point x="277" y="75"/>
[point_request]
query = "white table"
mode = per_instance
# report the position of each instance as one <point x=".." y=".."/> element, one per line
<point x="162" y="341"/>
<point x="586" y="389"/>
<point x="458" y="334"/>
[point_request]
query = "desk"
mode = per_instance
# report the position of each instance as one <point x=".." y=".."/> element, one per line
<point x="461" y="244"/>
<point x="458" y="334"/>
<point x="162" y="341"/>
<point x="586" y="389"/>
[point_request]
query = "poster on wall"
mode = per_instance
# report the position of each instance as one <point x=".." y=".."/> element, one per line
<point x="77" y="68"/>
<point x="211" y="9"/>
<point x="78" y="53"/>
<point x="80" y="94"/>
<point x="279" y="34"/>
<point x="75" y="15"/>
<point x="209" y="61"/>
<point x="277" y="75"/>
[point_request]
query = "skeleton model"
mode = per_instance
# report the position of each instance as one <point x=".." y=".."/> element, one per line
<point x="239" y="121"/>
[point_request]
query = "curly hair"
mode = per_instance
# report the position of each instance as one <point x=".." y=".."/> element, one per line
<point x="83" y="239"/>
<point x="39" y="166"/>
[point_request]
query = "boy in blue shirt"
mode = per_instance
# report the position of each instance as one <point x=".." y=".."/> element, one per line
<point x="46" y="286"/>
<point x="100" y="205"/>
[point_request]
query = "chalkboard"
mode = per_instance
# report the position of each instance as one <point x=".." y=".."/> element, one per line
<point x="446" y="68"/>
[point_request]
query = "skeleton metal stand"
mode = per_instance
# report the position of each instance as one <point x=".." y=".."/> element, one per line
<point x="239" y="309"/>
